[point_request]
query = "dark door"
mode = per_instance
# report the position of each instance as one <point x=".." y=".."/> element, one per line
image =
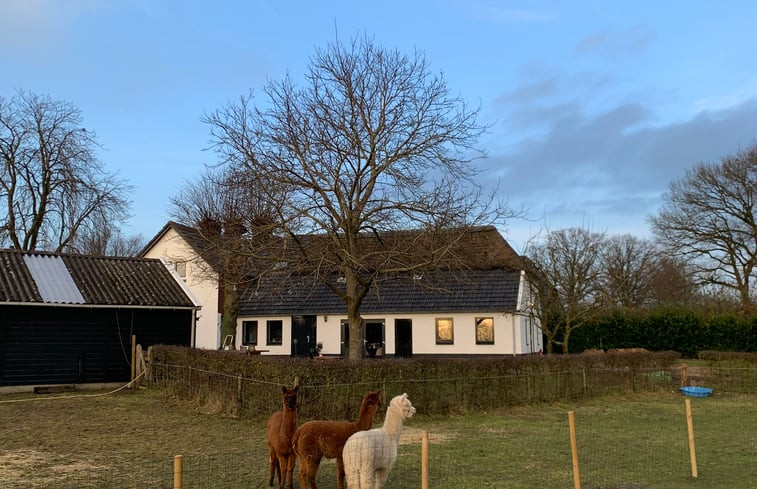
<point x="403" y="338"/>
<point x="303" y="336"/>
<point x="374" y="338"/>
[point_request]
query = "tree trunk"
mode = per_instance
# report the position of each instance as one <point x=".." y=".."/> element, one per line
<point x="229" y="314"/>
<point x="356" y="321"/>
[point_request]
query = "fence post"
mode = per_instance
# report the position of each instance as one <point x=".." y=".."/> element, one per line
<point x="424" y="460"/>
<point x="178" y="462"/>
<point x="239" y="396"/>
<point x="133" y="360"/>
<point x="692" y="449"/>
<point x="574" y="450"/>
<point x="684" y="373"/>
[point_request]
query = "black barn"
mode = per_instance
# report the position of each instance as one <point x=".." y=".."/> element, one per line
<point x="69" y="318"/>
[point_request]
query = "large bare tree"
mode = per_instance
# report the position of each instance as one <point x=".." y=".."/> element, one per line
<point x="371" y="142"/>
<point x="235" y="225"/>
<point x="569" y="290"/>
<point x="708" y="218"/>
<point x="51" y="182"/>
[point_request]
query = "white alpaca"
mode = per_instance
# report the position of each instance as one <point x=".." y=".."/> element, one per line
<point x="369" y="455"/>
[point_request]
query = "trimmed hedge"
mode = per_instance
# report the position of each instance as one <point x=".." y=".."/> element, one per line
<point x="243" y="385"/>
<point x="667" y="329"/>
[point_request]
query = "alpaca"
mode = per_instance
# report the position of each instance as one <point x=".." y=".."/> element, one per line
<point x="281" y="427"/>
<point x="370" y="455"/>
<point x="317" y="439"/>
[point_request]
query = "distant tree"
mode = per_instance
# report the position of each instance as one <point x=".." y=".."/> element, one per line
<point x="51" y="183"/>
<point x="105" y="241"/>
<point x="627" y="269"/>
<point x="672" y="281"/>
<point x="569" y="266"/>
<point x="372" y="143"/>
<point x="227" y="210"/>
<point x="708" y="218"/>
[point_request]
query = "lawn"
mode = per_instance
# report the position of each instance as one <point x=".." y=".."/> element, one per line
<point x="129" y="439"/>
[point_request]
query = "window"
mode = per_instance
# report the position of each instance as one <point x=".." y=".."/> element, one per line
<point x="444" y="331"/>
<point x="274" y="332"/>
<point x="249" y="332"/>
<point x="484" y="331"/>
<point x="181" y="268"/>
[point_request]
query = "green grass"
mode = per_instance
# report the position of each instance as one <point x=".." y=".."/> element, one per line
<point x="129" y="439"/>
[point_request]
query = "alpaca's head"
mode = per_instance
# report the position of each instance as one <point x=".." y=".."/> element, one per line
<point x="290" y="397"/>
<point x="402" y="405"/>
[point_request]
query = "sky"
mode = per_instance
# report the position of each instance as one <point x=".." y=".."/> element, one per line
<point x="593" y="107"/>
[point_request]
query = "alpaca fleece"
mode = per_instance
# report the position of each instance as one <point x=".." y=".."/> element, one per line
<point x="281" y="427"/>
<point x="317" y="439"/>
<point x="369" y="455"/>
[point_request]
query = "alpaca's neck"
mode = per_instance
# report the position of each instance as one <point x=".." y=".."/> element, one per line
<point x="365" y="420"/>
<point x="288" y="420"/>
<point x="393" y="423"/>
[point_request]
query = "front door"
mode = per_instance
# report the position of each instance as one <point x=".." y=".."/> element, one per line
<point x="403" y="338"/>
<point x="303" y="336"/>
<point x="374" y="338"/>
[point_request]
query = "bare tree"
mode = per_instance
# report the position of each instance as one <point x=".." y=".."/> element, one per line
<point x="708" y="218"/>
<point x="105" y="241"/>
<point x="51" y="182"/>
<point x="628" y="266"/>
<point x="235" y="225"/>
<point x="371" y="143"/>
<point x="568" y="262"/>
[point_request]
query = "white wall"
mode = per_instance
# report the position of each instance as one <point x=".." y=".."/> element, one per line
<point x="173" y="248"/>
<point x="508" y="331"/>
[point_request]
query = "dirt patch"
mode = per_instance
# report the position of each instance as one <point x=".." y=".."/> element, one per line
<point x="18" y="464"/>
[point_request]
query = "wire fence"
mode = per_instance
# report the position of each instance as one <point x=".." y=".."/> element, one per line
<point x="644" y="445"/>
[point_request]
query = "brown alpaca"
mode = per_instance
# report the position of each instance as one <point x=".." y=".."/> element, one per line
<point x="281" y="428"/>
<point x="317" y="439"/>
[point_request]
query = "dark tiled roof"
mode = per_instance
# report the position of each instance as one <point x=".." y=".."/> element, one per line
<point x="100" y="280"/>
<point x="440" y="292"/>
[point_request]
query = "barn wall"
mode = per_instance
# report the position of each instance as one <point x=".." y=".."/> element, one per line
<point x="62" y="345"/>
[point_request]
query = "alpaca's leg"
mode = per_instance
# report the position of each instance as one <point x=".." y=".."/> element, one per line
<point x="310" y="473"/>
<point x="353" y="479"/>
<point x="282" y="470"/>
<point x="273" y="466"/>
<point x="340" y="472"/>
<point x="367" y="478"/>
<point x="381" y="476"/>
<point x="289" y="474"/>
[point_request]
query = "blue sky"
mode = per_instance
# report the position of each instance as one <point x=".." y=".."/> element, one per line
<point x="594" y="107"/>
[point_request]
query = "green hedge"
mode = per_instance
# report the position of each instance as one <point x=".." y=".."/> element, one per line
<point x="242" y="385"/>
<point x="667" y="329"/>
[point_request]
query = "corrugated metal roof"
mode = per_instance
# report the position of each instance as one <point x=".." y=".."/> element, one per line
<point x="53" y="281"/>
<point x="58" y="278"/>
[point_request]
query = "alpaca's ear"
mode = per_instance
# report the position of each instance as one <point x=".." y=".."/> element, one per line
<point x="283" y="389"/>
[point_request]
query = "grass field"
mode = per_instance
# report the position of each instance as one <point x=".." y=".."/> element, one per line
<point x="129" y="439"/>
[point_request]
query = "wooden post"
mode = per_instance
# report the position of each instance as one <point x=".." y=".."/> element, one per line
<point x="239" y="396"/>
<point x="133" y="359"/>
<point x="684" y="374"/>
<point x="424" y="460"/>
<point x="574" y="450"/>
<point x="692" y="449"/>
<point x="178" y="462"/>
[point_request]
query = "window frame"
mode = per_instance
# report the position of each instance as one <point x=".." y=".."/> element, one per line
<point x="438" y="322"/>
<point x="245" y="325"/>
<point x="478" y="322"/>
<point x="269" y="324"/>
